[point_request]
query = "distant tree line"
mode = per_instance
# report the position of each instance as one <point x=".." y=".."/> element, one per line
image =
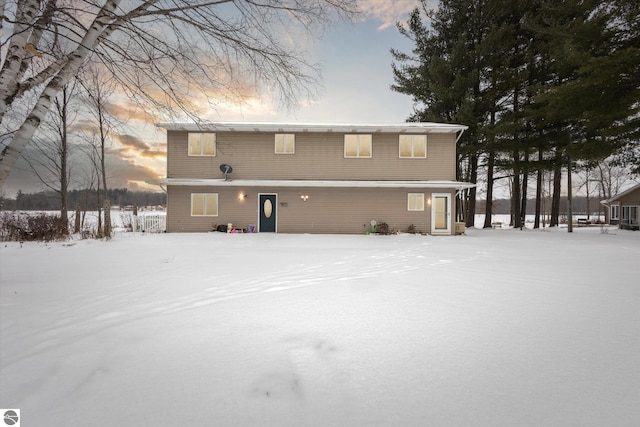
<point x="582" y="206"/>
<point x="82" y="199"/>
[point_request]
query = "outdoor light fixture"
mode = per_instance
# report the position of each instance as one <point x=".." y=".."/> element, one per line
<point x="242" y="196"/>
<point x="429" y="201"/>
<point x="304" y="197"/>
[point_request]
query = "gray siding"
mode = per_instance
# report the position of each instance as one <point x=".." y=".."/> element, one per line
<point x="317" y="156"/>
<point x="328" y="210"/>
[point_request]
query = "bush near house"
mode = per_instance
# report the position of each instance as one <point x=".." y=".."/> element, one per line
<point x="21" y="227"/>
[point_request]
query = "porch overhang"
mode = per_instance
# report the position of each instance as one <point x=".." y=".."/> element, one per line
<point x="273" y="183"/>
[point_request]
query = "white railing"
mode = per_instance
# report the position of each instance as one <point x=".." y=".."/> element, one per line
<point x="149" y="223"/>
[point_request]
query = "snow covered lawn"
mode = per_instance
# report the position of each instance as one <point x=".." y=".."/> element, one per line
<point x="495" y="328"/>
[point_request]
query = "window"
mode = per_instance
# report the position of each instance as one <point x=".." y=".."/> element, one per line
<point x="629" y="214"/>
<point x="615" y="212"/>
<point x="202" y="144"/>
<point x="204" y="204"/>
<point x="415" y="202"/>
<point x="357" y="146"/>
<point x="413" y="146"/>
<point x="285" y="143"/>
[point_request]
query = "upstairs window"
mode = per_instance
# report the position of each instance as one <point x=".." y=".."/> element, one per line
<point x="285" y="143"/>
<point x="357" y="146"/>
<point x="415" y="202"/>
<point x="204" y="204"/>
<point x="202" y="144"/>
<point x="413" y="146"/>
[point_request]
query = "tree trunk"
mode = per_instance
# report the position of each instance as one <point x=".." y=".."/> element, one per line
<point x="107" y="218"/>
<point x="569" y="194"/>
<point x="471" y="197"/>
<point x="22" y="137"/>
<point x="516" y="193"/>
<point x="525" y="185"/>
<point x="555" y="200"/>
<point x="76" y="228"/>
<point x="536" y="222"/>
<point x="488" y="210"/>
<point x="460" y="212"/>
<point x="64" y="184"/>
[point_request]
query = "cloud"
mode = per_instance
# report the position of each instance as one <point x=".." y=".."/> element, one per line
<point x="126" y="173"/>
<point x="126" y="110"/>
<point x="390" y="12"/>
<point x="131" y="146"/>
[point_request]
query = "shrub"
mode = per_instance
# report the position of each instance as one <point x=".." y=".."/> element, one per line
<point x="23" y="227"/>
<point x="383" y="228"/>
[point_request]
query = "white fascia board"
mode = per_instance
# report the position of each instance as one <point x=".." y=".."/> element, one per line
<point x="310" y="183"/>
<point x="620" y="195"/>
<point x="408" y="127"/>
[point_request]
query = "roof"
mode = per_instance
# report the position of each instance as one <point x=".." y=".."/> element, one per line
<point x="311" y="183"/>
<point x="408" y="127"/>
<point x="620" y="195"/>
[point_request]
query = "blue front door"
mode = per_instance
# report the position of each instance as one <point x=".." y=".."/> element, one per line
<point x="267" y="213"/>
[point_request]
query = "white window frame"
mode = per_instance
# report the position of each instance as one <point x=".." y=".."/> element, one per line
<point x="626" y="213"/>
<point x="413" y="139"/>
<point x="284" y="137"/>
<point x="359" y="138"/>
<point x="615" y="212"/>
<point x="418" y="202"/>
<point x="200" y="142"/>
<point x="208" y="197"/>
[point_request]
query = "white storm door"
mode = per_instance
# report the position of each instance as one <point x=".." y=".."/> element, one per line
<point x="440" y="213"/>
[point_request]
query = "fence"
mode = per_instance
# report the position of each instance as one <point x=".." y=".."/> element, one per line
<point x="150" y="223"/>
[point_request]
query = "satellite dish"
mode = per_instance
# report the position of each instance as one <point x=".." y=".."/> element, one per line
<point x="226" y="169"/>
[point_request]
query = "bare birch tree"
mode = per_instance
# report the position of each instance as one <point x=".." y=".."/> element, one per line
<point x="52" y="148"/>
<point x="98" y="89"/>
<point x="163" y="53"/>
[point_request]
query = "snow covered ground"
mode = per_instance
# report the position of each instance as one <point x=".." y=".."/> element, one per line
<point x="495" y="328"/>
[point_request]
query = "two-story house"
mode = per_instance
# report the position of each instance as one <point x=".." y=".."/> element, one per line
<point x="312" y="178"/>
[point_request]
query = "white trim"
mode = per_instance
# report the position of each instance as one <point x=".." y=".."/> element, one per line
<point x="201" y="143"/>
<point x="434" y="230"/>
<point x="413" y="146"/>
<point x="358" y="141"/>
<point x="310" y="183"/>
<point x="629" y="207"/>
<point x="284" y="142"/>
<point x="419" y="205"/>
<point x="611" y="209"/>
<point x="204" y="204"/>
<point x="408" y="127"/>
<point x="618" y="196"/>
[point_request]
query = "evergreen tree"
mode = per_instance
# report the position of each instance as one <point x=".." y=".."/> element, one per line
<point x="541" y="85"/>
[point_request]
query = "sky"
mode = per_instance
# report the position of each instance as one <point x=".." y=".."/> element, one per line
<point x="355" y="87"/>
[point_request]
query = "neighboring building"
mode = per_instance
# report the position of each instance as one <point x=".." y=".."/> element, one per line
<point x="312" y="178"/>
<point x="624" y="208"/>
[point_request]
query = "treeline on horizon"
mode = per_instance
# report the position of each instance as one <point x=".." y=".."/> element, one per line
<point x="87" y="200"/>
<point x="83" y="199"/>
